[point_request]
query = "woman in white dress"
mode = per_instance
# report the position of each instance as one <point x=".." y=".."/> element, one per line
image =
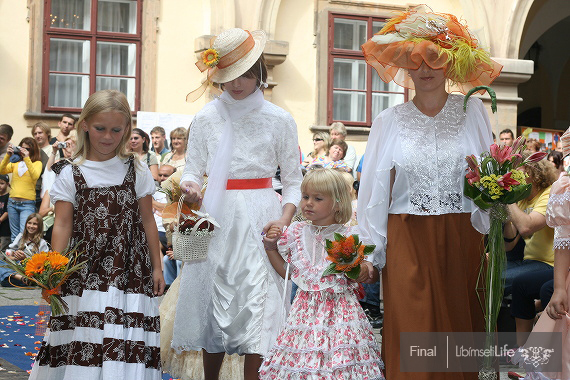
<point x="230" y="301"/>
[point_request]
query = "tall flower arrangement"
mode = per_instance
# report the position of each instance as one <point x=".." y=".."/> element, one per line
<point x="493" y="181"/>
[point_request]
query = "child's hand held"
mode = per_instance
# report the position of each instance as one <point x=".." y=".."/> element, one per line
<point x="274" y="232"/>
<point x="557" y="306"/>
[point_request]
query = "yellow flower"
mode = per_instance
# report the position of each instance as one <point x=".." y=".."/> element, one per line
<point x="489" y="182"/>
<point x="210" y="57"/>
<point x="519" y="176"/>
<point x="36" y="264"/>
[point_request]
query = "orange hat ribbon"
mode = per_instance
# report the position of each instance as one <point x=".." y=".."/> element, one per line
<point x="212" y="62"/>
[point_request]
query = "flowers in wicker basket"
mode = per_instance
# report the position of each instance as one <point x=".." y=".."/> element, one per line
<point x="49" y="270"/>
<point x="205" y="224"/>
<point x="346" y="253"/>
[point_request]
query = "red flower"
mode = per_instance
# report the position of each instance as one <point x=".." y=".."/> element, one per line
<point x="506" y="181"/>
<point x="473" y="176"/>
<point x="535" y="157"/>
<point x="501" y="153"/>
<point x="472" y="162"/>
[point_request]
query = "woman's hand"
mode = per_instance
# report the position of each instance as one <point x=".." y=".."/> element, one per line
<point x="274" y="225"/>
<point x="54" y="147"/>
<point x="10" y="149"/>
<point x="558" y="305"/>
<point x="192" y="192"/>
<point x="24" y="152"/>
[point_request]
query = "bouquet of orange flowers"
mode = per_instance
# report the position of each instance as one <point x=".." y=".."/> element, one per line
<point x="346" y="254"/>
<point x="49" y="270"/>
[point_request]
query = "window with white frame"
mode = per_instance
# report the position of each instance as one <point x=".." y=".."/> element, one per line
<point x="91" y="45"/>
<point x="356" y="93"/>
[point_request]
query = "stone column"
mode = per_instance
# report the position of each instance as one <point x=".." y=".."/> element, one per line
<point x="515" y="71"/>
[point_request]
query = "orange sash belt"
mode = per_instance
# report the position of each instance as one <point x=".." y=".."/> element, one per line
<point x="249" y="184"/>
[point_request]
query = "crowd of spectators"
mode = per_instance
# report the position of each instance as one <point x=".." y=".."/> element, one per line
<point x="26" y="178"/>
<point x="528" y="242"/>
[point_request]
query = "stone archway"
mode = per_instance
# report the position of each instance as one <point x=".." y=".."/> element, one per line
<point x="545" y="41"/>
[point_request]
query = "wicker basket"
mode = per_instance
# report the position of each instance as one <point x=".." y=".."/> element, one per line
<point x="190" y="245"/>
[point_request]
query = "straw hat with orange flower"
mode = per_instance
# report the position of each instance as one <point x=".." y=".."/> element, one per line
<point x="232" y="53"/>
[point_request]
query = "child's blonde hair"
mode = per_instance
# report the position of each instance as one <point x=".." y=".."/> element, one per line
<point x="350" y="181"/>
<point x="37" y="237"/>
<point x="331" y="183"/>
<point x="99" y="102"/>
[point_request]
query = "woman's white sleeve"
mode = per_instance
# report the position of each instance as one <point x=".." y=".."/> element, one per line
<point x="479" y="139"/>
<point x="196" y="153"/>
<point x="289" y="160"/>
<point x="374" y="190"/>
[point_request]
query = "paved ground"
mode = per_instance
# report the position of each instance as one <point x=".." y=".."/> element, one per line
<point x="13" y="296"/>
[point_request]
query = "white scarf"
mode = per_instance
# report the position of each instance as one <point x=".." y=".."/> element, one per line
<point x="230" y="110"/>
<point x="22" y="168"/>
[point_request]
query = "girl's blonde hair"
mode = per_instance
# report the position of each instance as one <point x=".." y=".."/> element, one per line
<point x="326" y="139"/>
<point x="350" y="181"/>
<point x="99" y="102"/>
<point x="37" y="237"/>
<point x="330" y="182"/>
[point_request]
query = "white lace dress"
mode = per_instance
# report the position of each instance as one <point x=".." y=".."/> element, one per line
<point x="327" y="334"/>
<point x="230" y="301"/>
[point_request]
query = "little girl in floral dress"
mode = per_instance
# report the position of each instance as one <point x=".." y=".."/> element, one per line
<point x="327" y="334"/>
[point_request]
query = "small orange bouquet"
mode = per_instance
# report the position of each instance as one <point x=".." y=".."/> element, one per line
<point x="346" y="254"/>
<point x="49" y="270"/>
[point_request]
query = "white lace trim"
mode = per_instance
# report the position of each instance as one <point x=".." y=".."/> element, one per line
<point x="559" y="198"/>
<point x="362" y="363"/>
<point x="561" y="243"/>
<point x="357" y="323"/>
<point x="289" y="350"/>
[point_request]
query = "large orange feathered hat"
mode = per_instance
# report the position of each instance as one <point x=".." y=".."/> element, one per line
<point x="438" y="39"/>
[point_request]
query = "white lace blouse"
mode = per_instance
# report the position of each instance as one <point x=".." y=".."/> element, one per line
<point x="428" y="155"/>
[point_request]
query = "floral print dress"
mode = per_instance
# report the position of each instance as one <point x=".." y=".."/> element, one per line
<point x="326" y="335"/>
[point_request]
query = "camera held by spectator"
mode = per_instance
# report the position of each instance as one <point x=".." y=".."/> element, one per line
<point x="16" y="156"/>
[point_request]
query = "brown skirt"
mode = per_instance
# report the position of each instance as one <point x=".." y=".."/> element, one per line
<point x="429" y="284"/>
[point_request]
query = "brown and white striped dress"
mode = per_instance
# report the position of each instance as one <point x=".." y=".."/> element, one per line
<point x="112" y="328"/>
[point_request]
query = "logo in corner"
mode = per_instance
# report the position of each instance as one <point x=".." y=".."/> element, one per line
<point x="536" y="356"/>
